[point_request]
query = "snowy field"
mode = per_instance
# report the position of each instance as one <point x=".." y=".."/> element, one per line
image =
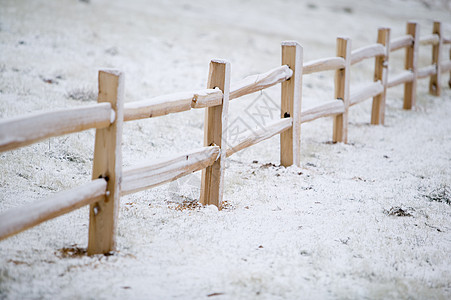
<point x="366" y="220"/>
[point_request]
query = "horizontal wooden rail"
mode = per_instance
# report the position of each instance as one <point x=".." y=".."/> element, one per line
<point x="253" y="137"/>
<point x="401" y="42"/>
<point x="403" y="77"/>
<point x="179" y="102"/>
<point x="328" y="108"/>
<point x="432" y="39"/>
<point x="365" y="92"/>
<point x="324" y="64"/>
<point x="28" y="129"/>
<point x="370" y="51"/>
<point x="19" y="219"/>
<point x="445" y="66"/>
<point x="255" y="83"/>
<point x="426" y="71"/>
<point x="446" y="41"/>
<point x="138" y="178"/>
<point x="172" y="103"/>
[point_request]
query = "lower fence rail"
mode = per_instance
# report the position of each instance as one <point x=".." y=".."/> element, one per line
<point x="426" y="71"/>
<point x="150" y="174"/>
<point x="402" y="77"/>
<point x="19" y="219"/>
<point x="328" y="108"/>
<point x="445" y="67"/>
<point x="261" y="134"/>
<point x="365" y="92"/>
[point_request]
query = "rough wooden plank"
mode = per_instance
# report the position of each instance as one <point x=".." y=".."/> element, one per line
<point x="28" y="129"/>
<point x="328" y="108"/>
<point x="18" y="219"/>
<point x="258" y="82"/>
<point x="402" y="77"/>
<point x="401" y="42"/>
<point x="261" y="134"/>
<point x="324" y="64"/>
<point x="342" y="79"/>
<point x="365" y="92"/>
<point x="367" y="52"/>
<point x="426" y="71"/>
<point x="446" y="40"/>
<point x="172" y="103"/>
<point x="291" y="101"/>
<point x="150" y="174"/>
<point x="381" y="73"/>
<point x="434" y="82"/>
<point x="107" y="164"/>
<point x="212" y="183"/>
<point x="410" y="87"/>
<point x="207" y="98"/>
<point x="432" y="39"/>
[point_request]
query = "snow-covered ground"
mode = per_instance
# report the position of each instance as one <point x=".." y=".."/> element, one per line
<point x="330" y="229"/>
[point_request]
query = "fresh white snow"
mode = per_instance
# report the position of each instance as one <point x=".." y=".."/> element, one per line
<point x="323" y="230"/>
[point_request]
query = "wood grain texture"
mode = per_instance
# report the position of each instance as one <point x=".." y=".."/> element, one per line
<point x="28" y="129"/>
<point x="19" y="219"/>
<point x="151" y="174"/>
<point x="215" y="134"/>
<point x="434" y="82"/>
<point x="207" y="98"/>
<point x="291" y="101"/>
<point x="381" y="70"/>
<point x="410" y="87"/>
<point x="342" y="79"/>
<point x="107" y="164"/>
<point x="172" y="103"/>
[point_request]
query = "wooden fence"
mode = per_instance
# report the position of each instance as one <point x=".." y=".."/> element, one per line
<point x="109" y="181"/>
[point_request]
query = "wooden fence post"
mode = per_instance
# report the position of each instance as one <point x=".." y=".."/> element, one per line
<point x="410" y="88"/>
<point x="381" y="73"/>
<point x="215" y="133"/>
<point x="342" y="79"/>
<point x="107" y="164"/>
<point x="291" y="100"/>
<point x="449" y="81"/>
<point x="434" y="81"/>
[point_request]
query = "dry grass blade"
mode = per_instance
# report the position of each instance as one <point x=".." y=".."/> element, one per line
<point x="441" y="194"/>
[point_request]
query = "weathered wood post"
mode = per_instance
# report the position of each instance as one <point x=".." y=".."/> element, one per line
<point x="291" y="100"/>
<point x="381" y="73"/>
<point x="342" y="79"/>
<point x="215" y="133"/>
<point x="434" y="81"/>
<point x="107" y="164"/>
<point x="410" y="88"/>
<point x="449" y="81"/>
